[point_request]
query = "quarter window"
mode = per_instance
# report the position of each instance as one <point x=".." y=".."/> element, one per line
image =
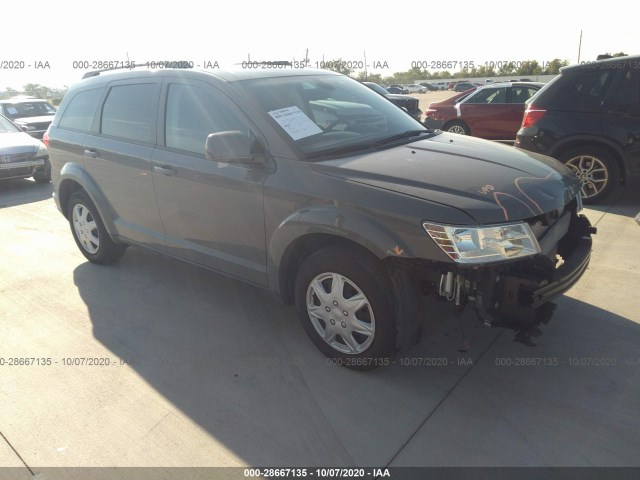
<point x="128" y="112"/>
<point x="79" y="113"/>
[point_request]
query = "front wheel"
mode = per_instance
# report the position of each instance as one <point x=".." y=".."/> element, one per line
<point x="43" y="175"/>
<point x="89" y="231"/>
<point x="345" y="304"/>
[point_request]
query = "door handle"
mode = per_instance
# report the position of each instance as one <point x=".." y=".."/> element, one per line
<point x="165" y="170"/>
<point x="91" y="153"/>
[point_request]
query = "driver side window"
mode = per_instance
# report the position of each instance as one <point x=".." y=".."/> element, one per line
<point x="192" y="114"/>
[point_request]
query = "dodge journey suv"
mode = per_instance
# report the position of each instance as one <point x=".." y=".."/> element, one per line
<point x="311" y="185"/>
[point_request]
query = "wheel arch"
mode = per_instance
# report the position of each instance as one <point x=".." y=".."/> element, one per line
<point x="305" y="233"/>
<point x="72" y="179"/>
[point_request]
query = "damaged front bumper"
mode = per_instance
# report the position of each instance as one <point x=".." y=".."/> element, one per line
<point x="518" y="294"/>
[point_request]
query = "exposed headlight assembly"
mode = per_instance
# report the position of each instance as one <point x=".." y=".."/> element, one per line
<point x="484" y="244"/>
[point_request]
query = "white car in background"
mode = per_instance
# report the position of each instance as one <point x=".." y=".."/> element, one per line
<point x="416" y="88"/>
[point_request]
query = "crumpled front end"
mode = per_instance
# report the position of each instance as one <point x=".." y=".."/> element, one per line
<point x="518" y="294"/>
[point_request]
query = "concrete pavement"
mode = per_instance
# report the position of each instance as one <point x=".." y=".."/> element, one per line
<point x="195" y="369"/>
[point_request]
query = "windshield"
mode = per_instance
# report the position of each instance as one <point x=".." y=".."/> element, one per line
<point x="327" y="114"/>
<point x="7" y="127"/>
<point x="28" y="109"/>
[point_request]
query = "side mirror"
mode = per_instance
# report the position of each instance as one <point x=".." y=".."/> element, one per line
<point x="230" y="147"/>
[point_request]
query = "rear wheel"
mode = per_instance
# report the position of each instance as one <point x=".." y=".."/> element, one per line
<point x="89" y="232"/>
<point x="345" y="304"/>
<point x="596" y="169"/>
<point x="457" y="127"/>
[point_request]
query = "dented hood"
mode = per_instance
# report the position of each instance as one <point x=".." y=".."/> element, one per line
<point x="492" y="183"/>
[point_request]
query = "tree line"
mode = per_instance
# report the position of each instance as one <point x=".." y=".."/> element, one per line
<point x="54" y="95"/>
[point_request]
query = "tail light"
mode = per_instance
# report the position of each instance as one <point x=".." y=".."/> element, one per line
<point x="45" y="138"/>
<point x="531" y="116"/>
<point x="430" y="112"/>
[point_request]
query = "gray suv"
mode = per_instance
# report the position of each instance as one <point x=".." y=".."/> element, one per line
<point x="311" y="185"/>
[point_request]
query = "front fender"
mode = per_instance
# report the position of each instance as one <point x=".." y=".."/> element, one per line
<point x="340" y="222"/>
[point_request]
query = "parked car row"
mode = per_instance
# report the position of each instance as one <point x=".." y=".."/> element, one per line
<point x="408" y="103"/>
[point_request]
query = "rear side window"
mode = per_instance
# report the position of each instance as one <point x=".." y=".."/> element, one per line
<point x="79" y="113"/>
<point x="488" y="95"/>
<point x="128" y="112"/>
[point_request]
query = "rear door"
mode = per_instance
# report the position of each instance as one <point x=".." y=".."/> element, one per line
<point x="117" y="157"/>
<point x="212" y="212"/>
<point x="484" y="111"/>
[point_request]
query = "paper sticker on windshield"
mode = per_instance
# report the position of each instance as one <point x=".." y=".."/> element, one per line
<point x="12" y="110"/>
<point x="295" y="122"/>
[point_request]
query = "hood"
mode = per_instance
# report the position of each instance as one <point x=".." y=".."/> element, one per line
<point x="38" y="119"/>
<point x="490" y="182"/>
<point x="398" y="96"/>
<point x="17" y="142"/>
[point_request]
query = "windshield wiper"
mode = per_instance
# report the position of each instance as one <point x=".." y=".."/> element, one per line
<point x="339" y="150"/>
<point x="400" y="136"/>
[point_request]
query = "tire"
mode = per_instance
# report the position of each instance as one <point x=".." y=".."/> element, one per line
<point x="43" y="175"/>
<point x="597" y="170"/>
<point x="89" y="232"/>
<point x="460" y="128"/>
<point x="361" y="276"/>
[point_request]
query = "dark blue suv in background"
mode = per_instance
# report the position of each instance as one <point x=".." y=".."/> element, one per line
<point x="589" y="118"/>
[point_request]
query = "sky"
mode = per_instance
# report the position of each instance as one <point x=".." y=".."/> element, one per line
<point x="392" y="35"/>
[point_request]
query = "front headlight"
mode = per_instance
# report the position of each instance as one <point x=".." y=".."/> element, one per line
<point x="484" y="244"/>
<point x="42" y="151"/>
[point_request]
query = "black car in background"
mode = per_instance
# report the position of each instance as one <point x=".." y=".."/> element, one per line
<point x="395" y="89"/>
<point x="429" y="87"/>
<point x="463" y="86"/>
<point x="589" y="118"/>
<point x="33" y="115"/>
<point x="410" y="104"/>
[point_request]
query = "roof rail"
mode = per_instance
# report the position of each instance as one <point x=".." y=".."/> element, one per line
<point x="131" y="65"/>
